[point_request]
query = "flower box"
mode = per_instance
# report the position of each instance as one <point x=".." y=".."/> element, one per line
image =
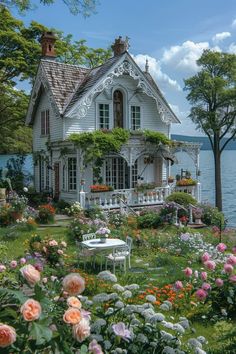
<point x="97" y="188"/>
<point x="186" y="182"/>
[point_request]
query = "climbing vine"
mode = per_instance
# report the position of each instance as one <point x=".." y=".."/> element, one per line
<point x="95" y="145"/>
<point x="156" y="138"/>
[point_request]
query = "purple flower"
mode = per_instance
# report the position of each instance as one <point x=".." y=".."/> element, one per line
<point x="184" y="237"/>
<point x="120" y="330"/>
<point x="95" y="348"/>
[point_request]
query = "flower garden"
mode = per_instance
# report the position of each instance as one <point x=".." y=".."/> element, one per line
<point x="178" y="297"/>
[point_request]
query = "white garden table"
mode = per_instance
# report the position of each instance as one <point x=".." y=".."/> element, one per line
<point x="110" y="244"/>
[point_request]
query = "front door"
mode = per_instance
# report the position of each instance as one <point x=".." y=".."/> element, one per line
<point x="56" y="180"/>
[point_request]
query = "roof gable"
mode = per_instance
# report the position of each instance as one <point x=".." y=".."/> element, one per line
<point x="103" y="77"/>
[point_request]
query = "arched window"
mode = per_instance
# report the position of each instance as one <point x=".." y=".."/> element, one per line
<point x="118" y="109"/>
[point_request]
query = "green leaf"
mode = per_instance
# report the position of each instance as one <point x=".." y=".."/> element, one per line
<point x="40" y="332"/>
<point x="18" y="295"/>
<point x="84" y="349"/>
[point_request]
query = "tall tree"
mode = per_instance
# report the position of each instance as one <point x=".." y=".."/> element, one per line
<point x="212" y="93"/>
<point x="20" y="53"/>
<point x="83" y="7"/>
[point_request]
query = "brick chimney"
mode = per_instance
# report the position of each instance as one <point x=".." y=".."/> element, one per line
<point x="48" y="40"/>
<point x="120" y="46"/>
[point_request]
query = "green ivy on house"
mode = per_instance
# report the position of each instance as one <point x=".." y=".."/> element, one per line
<point x="156" y="138"/>
<point x="95" y="145"/>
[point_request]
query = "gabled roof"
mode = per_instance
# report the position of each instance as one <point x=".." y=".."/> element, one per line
<point x="68" y="84"/>
<point x="63" y="80"/>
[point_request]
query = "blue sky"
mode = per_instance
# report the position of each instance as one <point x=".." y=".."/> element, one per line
<point x="171" y="33"/>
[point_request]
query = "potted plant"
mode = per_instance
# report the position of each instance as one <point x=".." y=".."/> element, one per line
<point x="198" y="213"/>
<point x="171" y="179"/>
<point x="103" y="233"/>
<point x="18" y="205"/>
<point x="96" y="188"/>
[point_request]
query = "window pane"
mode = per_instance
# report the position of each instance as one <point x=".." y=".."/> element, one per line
<point x="103" y="116"/>
<point x="135" y="117"/>
<point x="72" y="174"/>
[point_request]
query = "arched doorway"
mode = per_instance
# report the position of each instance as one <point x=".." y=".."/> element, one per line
<point x="118" y="109"/>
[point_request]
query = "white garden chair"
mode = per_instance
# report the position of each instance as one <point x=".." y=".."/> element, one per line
<point x="118" y="256"/>
<point x="87" y="237"/>
<point x="86" y="254"/>
<point x="129" y="242"/>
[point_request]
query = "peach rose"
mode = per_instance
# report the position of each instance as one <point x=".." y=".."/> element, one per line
<point x="31" y="274"/>
<point x="7" y="335"/>
<point x="72" y="316"/>
<point x="74" y="302"/>
<point x="53" y="243"/>
<point x="31" y="310"/>
<point x="81" y="331"/>
<point x="74" y="284"/>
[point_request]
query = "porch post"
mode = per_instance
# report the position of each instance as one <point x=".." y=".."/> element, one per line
<point x="77" y="174"/>
<point x="198" y="195"/>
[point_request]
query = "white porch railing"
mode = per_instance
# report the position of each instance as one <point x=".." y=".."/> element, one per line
<point x="116" y="198"/>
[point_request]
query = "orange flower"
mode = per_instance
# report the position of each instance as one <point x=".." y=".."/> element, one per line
<point x="74" y="302"/>
<point x="74" y="284"/>
<point x="31" y="310"/>
<point x="7" y="335"/>
<point x="72" y="316"/>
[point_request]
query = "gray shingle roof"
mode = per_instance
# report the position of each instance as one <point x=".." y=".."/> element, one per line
<point x="63" y="80"/>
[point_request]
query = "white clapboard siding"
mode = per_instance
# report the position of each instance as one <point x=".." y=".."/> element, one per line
<point x="78" y="125"/>
<point x="55" y="125"/>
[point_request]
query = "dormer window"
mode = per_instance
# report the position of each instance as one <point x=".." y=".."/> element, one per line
<point x="135" y="117"/>
<point x="118" y="109"/>
<point x="103" y="116"/>
<point x="45" y="123"/>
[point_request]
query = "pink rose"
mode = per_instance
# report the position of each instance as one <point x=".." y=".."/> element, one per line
<point x="7" y="335"/>
<point x="221" y="247"/>
<point x="188" y="272"/>
<point x="81" y="330"/>
<point x="13" y="264"/>
<point x="22" y="261"/>
<point x="178" y="285"/>
<point x="38" y="266"/>
<point x="205" y="257"/>
<point x="53" y="243"/>
<point x="219" y="282"/>
<point x="60" y="252"/>
<point x="232" y="278"/>
<point x="31" y="310"/>
<point x="204" y="275"/>
<point x="231" y="260"/>
<point x="206" y="286"/>
<point x="210" y="265"/>
<point x="31" y="274"/>
<point x="201" y="294"/>
<point x="228" y="268"/>
<point x="2" y="268"/>
<point x="74" y="284"/>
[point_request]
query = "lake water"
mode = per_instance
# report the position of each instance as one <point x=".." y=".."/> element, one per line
<point x="206" y="178"/>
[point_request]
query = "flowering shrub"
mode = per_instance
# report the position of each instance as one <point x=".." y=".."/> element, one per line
<point x="19" y="203"/>
<point x="46" y="214"/>
<point x="216" y="282"/>
<point x="149" y="220"/>
<point x="167" y="211"/>
<point x="52" y="251"/>
<point x="82" y="225"/>
<point x="49" y="315"/>
<point x="6" y="217"/>
<point x="116" y="219"/>
<point x="74" y="209"/>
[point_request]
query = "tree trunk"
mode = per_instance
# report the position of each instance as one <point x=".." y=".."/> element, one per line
<point x="217" y="159"/>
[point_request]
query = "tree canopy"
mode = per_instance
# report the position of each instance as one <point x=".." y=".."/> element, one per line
<point x="212" y="93"/>
<point x="83" y="7"/>
<point x="20" y="53"/>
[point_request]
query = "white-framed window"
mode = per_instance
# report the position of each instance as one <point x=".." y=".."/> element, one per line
<point x="103" y="116"/>
<point x="45" y="122"/>
<point x="72" y="175"/>
<point x="64" y="177"/>
<point x="117" y="174"/>
<point x="135" y="117"/>
<point x="134" y="177"/>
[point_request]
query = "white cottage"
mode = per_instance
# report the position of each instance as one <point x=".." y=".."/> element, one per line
<point x="68" y="99"/>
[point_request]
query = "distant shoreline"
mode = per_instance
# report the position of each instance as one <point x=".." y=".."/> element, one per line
<point x="202" y="140"/>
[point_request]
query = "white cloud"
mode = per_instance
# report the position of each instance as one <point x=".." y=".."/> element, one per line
<point x="234" y="23"/>
<point x="183" y="57"/>
<point x="219" y="37"/>
<point x="162" y="79"/>
<point x="232" y="48"/>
